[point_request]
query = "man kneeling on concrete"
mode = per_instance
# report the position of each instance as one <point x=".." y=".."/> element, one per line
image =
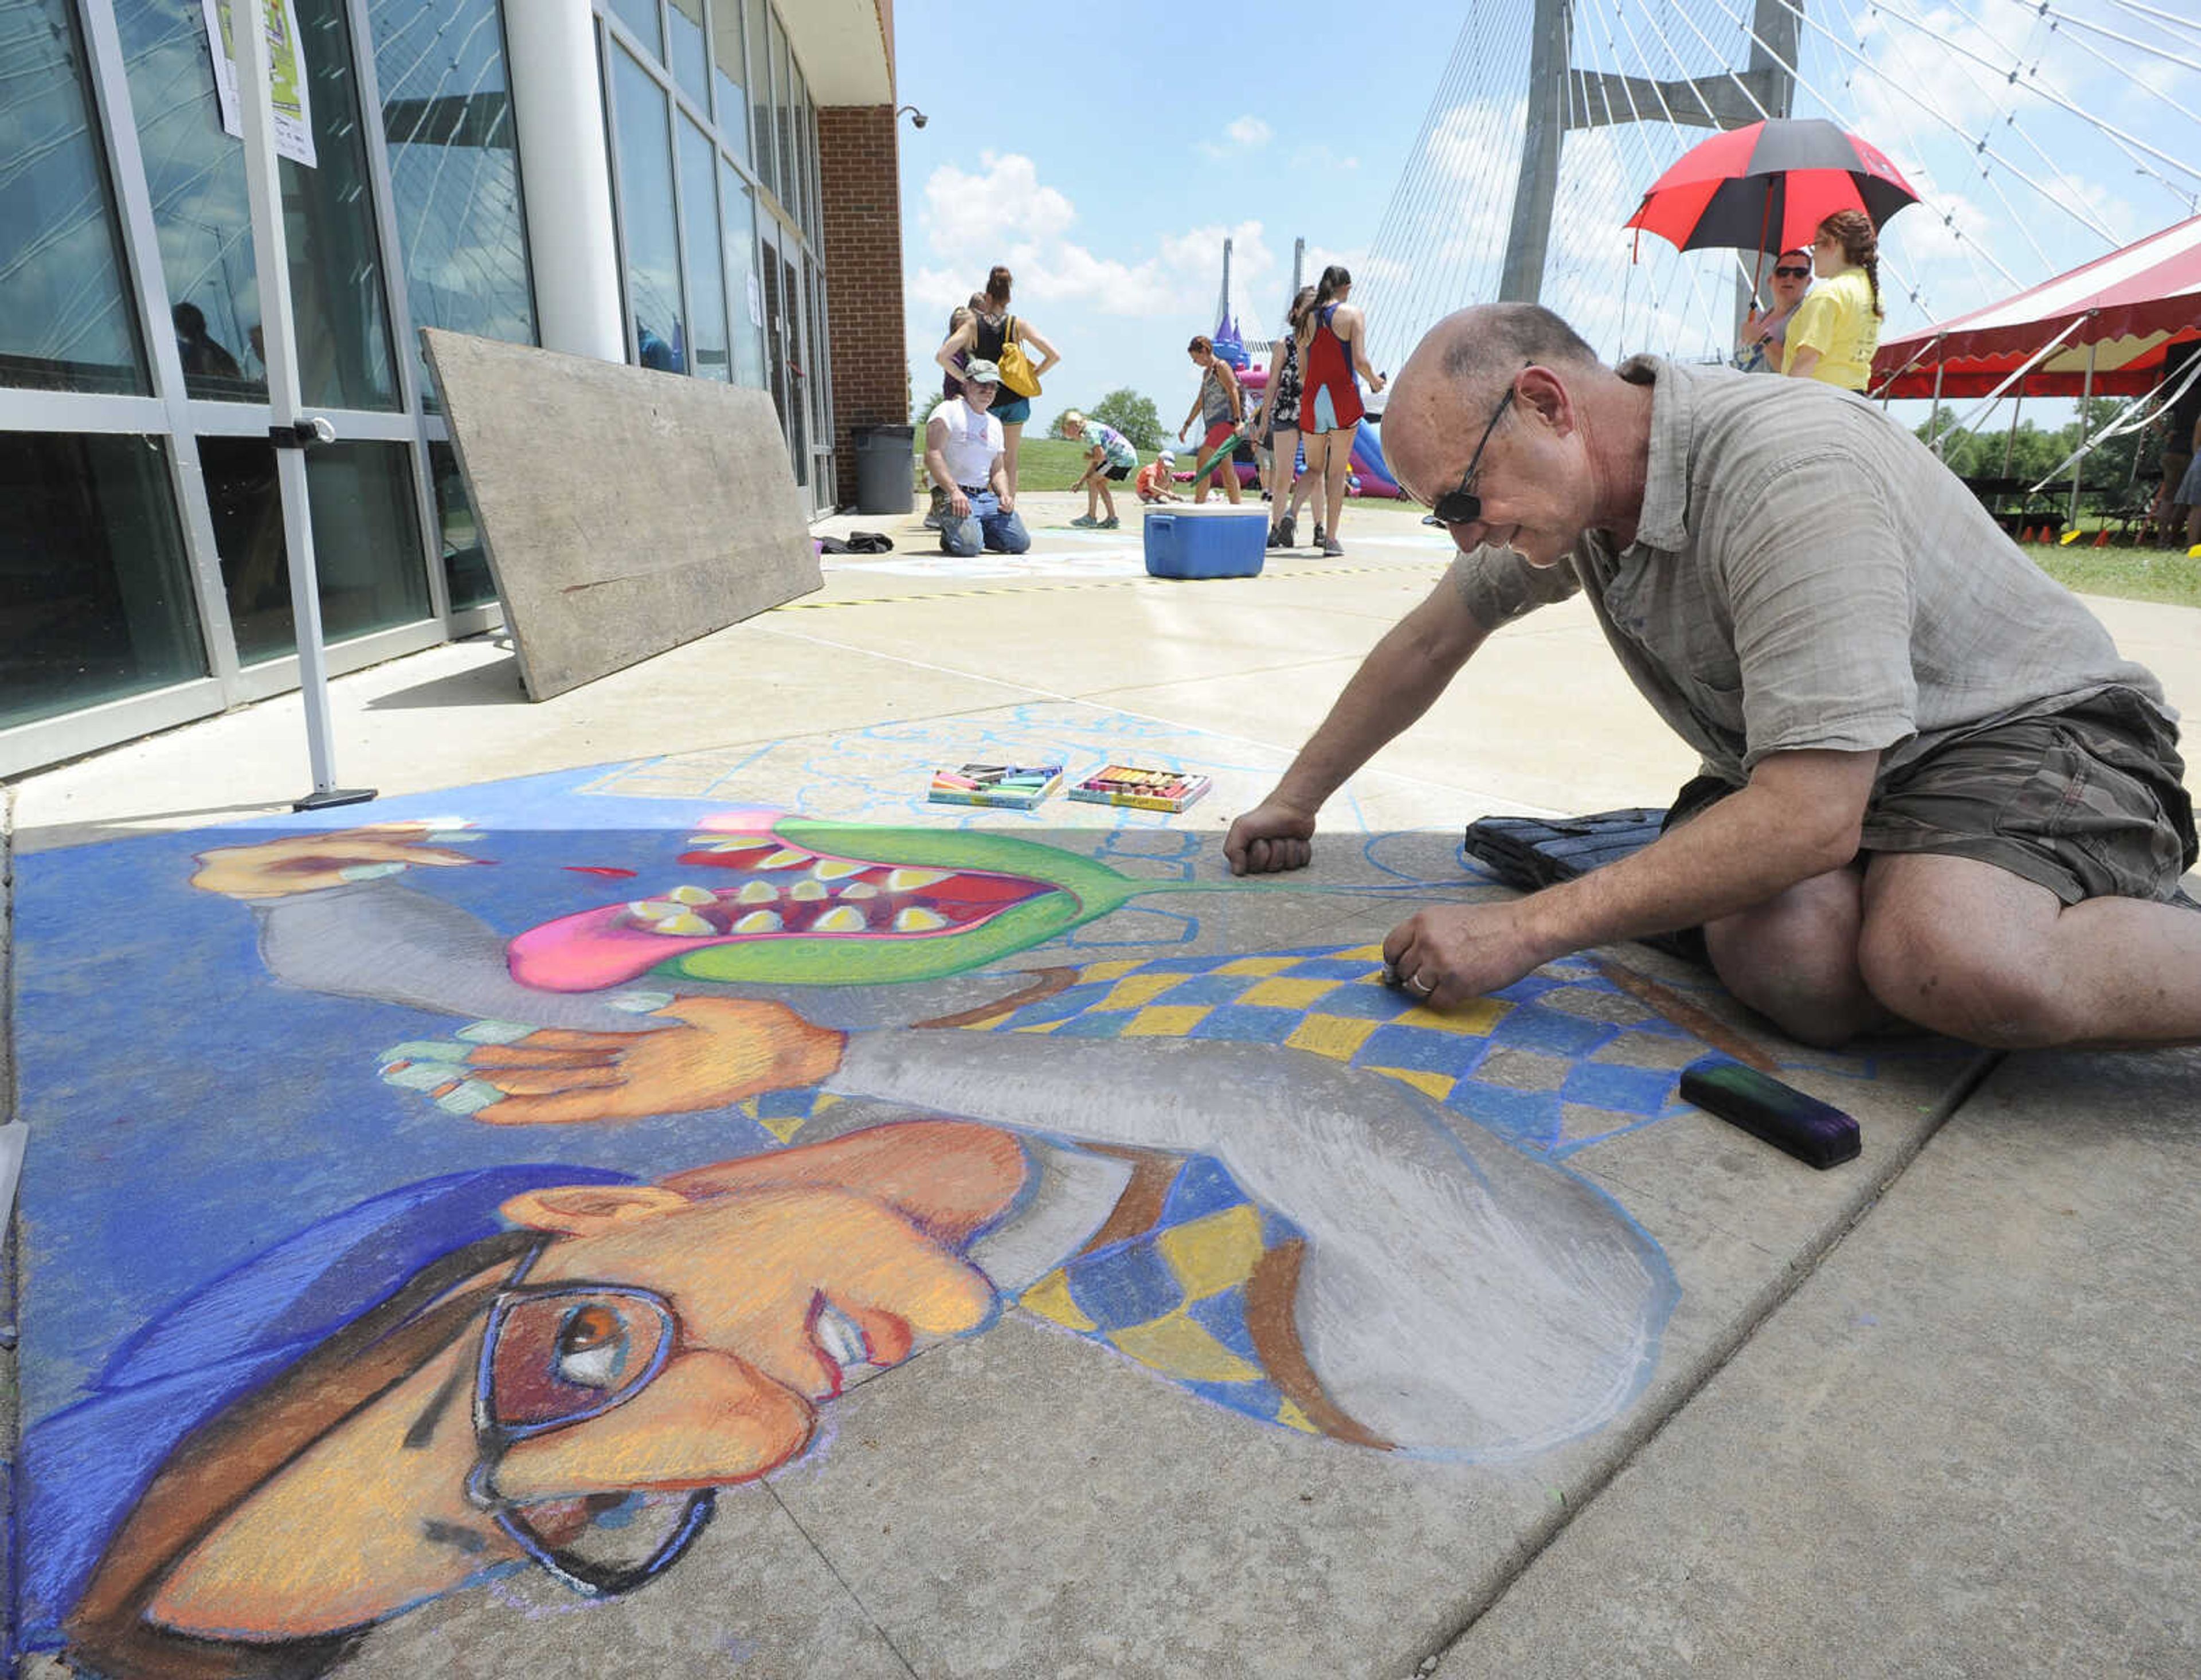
<point x="1933" y="791"/>
<point x="963" y="451"/>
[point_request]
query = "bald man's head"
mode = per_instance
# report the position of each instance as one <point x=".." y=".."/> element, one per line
<point x="1461" y="366"/>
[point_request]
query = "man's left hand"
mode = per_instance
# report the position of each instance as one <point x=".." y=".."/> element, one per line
<point x="1445" y="956"/>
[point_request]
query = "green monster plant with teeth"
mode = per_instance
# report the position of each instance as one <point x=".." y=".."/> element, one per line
<point x="1082" y="891"/>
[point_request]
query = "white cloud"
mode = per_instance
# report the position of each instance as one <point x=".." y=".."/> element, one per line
<point x="1249" y="131"/>
<point x="1004" y="205"/>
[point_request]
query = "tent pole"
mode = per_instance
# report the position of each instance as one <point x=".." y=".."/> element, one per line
<point x="2079" y="467"/>
<point x="2010" y="449"/>
<point x="1933" y="441"/>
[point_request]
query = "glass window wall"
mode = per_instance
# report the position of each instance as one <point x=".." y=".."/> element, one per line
<point x="706" y="262"/>
<point x="646" y="218"/>
<point x="69" y="324"/>
<point x="641" y="16"/>
<point x="782" y="147"/>
<point x="466" y="561"/>
<point x="760" y="87"/>
<point x="366" y="541"/>
<point x="691" y="61"/>
<point x="730" y="76"/>
<point x="95" y="594"/>
<point x="737" y="210"/>
<point x="195" y="170"/>
<point x="454" y="169"/>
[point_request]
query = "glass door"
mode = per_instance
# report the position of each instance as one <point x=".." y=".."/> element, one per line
<point x="783" y="349"/>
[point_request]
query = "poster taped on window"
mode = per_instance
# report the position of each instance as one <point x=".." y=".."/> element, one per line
<point x="286" y="55"/>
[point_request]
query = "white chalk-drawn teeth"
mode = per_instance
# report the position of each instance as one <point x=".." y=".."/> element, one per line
<point x="684" y="894"/>
<point x="683" y="923"/>
<point x="837" y="869"/>
<point x="650" y="909"/>
<point x="859" y="890"/>
<point x="757" y="892"/>
<point x="918" y="919"/>
<point x="787" y="857"/>
<point x="840" y="918"/>
<point x="913" y="880"/>
<point x="807" y="892"/>
<point x="839" y="1339"/>
<point x="758" y="921"/>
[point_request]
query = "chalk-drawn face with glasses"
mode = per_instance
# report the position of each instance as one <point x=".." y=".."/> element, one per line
<point x="659" y="1342"/>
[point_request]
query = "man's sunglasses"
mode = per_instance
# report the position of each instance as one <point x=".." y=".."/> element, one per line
<point x="1463" y="506"/>
<point x="1804" y="273"/>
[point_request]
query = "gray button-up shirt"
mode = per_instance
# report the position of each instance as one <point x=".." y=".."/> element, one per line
<point x="1806" y="573"/>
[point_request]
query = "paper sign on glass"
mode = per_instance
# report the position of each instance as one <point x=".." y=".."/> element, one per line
<point x="293" y="109"/>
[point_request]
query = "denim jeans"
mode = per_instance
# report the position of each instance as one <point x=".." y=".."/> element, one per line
<point x="984" y="526"/>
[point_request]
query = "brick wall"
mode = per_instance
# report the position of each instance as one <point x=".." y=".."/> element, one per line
<point x="859" y="171"/>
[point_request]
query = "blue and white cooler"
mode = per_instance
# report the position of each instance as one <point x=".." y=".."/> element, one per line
<point x="1211" y="540"/>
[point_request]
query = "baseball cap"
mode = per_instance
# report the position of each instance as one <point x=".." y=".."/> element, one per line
<point x="1166" y="455"/>
<point x="980" y="371"/>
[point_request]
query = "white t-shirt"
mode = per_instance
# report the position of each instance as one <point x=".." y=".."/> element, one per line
<point x="973" y="440"/>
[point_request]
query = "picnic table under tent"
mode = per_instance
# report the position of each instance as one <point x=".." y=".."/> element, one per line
<point x="2104" y="329"/>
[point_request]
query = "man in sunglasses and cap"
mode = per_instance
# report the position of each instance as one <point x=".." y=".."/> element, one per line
<point x="1933" y="792"/>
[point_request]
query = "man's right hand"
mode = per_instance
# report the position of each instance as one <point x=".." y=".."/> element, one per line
<point x="1272" y="836"/>
<point x="958" y="504"/>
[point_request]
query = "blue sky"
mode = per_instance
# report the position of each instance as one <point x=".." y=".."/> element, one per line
<point x="1106" y="161"/>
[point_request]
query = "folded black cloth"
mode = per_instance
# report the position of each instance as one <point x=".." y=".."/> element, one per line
<point x="1528" y="853"/>
<point x="857" y="543"/>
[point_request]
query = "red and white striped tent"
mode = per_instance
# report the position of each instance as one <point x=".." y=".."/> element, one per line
<point x="2111" y="322"/>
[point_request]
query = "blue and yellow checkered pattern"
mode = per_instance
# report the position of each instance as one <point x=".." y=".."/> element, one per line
<point x="1173" y="1296"/>
<point x="1331" y="1000"/>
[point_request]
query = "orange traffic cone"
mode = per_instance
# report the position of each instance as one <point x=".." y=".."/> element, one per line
<point x="2031" y="535"/>
<point x="2102" y="538"/>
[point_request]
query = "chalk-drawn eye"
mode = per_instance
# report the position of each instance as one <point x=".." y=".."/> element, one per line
<point x="591" y="1351"/>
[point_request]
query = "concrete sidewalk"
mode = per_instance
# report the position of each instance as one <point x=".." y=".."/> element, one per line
<point x="1928" y="1413"/>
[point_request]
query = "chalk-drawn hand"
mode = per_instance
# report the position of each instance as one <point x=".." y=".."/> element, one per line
<point x="309" y="862"/>
<point x="1447" y="955"/>
<point x="1272" y="836"/>
<point x="722" y="1051"/>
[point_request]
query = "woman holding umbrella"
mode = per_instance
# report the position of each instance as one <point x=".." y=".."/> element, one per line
<point x="1837" y="328"/>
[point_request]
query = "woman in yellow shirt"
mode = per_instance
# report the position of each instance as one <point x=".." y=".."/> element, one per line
<point x="1835" y="331"/>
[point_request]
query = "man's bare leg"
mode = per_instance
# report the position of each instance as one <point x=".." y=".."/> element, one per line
<point x="1985" y="955"/>
<point x="1794" y="959"/>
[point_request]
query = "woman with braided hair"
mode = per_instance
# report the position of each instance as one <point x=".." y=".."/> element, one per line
<point x="1835" y="331"/>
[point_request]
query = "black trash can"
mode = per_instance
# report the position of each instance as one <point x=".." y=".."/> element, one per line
<point x="885" y="468"/>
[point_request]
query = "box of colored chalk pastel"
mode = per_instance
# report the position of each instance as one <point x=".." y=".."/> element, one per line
<point x="1018" y="786"/>
<point x="1134" y="785"/>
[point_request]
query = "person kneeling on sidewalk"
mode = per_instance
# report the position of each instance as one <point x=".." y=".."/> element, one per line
<point x="963" y="451"/>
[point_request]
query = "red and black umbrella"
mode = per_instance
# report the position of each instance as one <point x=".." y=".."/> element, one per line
<point x="1767" y="187"/>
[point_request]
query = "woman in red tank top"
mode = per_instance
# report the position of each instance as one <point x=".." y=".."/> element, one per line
<point x="1333" y="342"/>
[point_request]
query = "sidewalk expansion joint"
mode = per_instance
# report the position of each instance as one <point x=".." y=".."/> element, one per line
<point x="1773" y="1298"/>
<point x="847" y="1586"/>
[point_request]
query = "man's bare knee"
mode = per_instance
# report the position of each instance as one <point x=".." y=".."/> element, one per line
<point x="1945" y="974"/>
<point x="1794" y="960"/>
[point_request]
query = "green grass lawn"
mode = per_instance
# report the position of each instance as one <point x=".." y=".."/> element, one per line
<point x="1050" y="463"/>
<point x="2135" y="574"/>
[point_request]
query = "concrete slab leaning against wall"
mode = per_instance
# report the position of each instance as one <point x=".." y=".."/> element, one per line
<point x="623" y="511"/>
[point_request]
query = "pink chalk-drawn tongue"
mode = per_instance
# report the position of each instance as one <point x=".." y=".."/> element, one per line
<point x="777" y="891"/>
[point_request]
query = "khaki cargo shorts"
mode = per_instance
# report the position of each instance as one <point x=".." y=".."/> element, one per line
<point x="2090" y="801"/>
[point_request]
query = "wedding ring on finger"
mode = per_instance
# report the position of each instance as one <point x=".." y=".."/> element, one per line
<point x="1416" y="983"/>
